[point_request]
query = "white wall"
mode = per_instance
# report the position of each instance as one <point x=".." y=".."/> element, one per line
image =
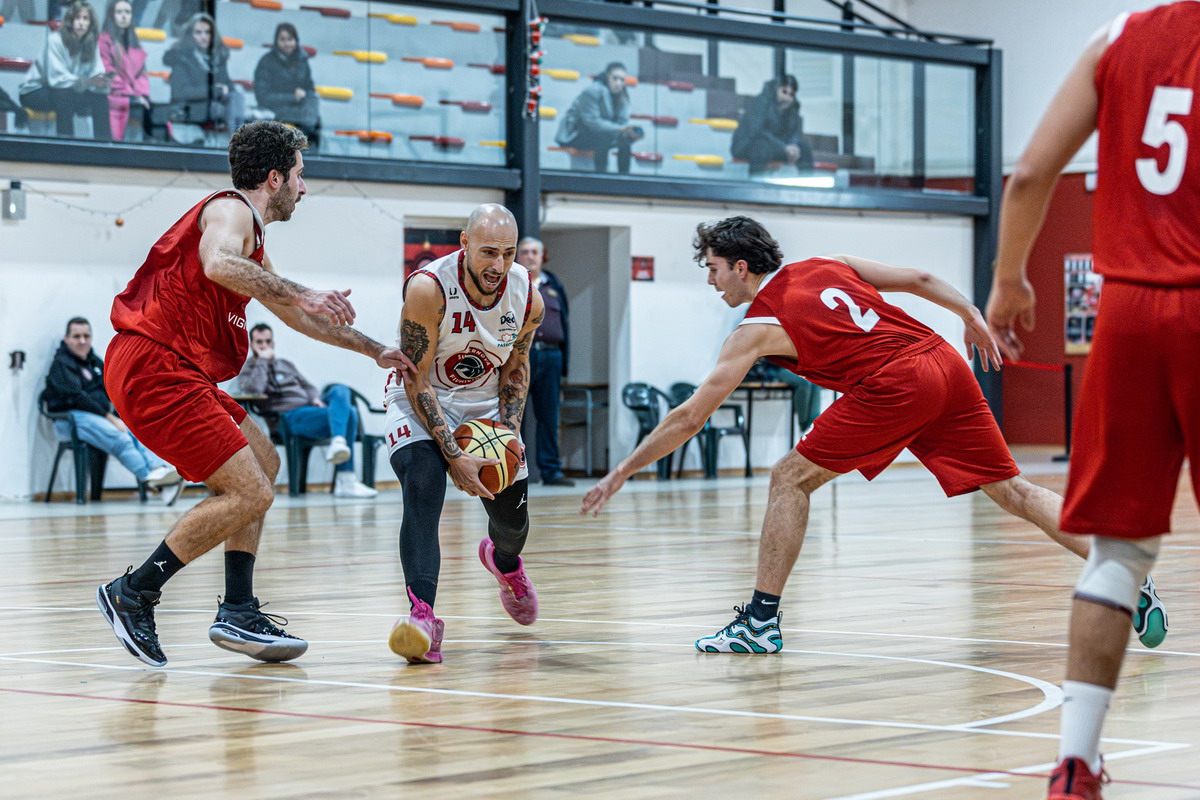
<point x="1040" y="40"/>
<point x="59" y="262"/>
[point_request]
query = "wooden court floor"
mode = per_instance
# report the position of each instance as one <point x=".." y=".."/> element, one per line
<point x="925" y="644"/>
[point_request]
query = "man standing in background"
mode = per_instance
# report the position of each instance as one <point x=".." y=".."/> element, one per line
<point x="547" y="361"/>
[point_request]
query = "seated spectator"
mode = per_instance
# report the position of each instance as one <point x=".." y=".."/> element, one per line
<point x="125" y="61"/>
<point x="173" y="15"/>
<point x="283" y="83"/>
<point x="76" y="385"/>
<point x="69" y="78"/>
<point x="598" y="120"/>
<point x="201" y="90"/>
<point x="771" y="129"/>
<point x="306" y="413"/>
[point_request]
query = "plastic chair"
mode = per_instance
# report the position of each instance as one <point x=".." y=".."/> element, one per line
<point x="645" y="401"/>
<point x="679" y="392"/>
<point x="370" y="441"/>
<point x="713" y="433"/>
<point x="89" y="461"/>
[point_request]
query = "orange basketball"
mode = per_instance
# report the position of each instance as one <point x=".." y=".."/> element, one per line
<point x="487" y="438"/>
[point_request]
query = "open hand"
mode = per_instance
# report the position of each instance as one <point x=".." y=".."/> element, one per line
<point x="331" y="304"/>
<point x="1007" y="304"/>
<point x="977" y="335"/>
<point x="598" y="495"/>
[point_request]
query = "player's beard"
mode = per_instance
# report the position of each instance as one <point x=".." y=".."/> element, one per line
<point x="475" y="280"/>
<point x="282" y="204"/>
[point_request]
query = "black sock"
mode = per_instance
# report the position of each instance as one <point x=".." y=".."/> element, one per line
<point x="425" y="591"/>
<point x="158" y="569"/>
<point x="504" y="562"/>
<point x="763" y="606"/>
<point x="239" y="577"/>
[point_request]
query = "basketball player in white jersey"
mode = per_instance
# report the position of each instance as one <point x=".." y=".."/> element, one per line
<point x="467" y="323"/>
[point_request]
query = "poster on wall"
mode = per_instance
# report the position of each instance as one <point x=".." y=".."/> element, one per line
<point x="425" y="245"/>
<point x="643" y="268"/>
<point x="1082" y="301"/>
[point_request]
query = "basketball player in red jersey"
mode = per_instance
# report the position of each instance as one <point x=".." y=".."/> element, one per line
<point x="181" y="329"/>
<point x="1136" y="83"/>
<point x="902" y="386"/>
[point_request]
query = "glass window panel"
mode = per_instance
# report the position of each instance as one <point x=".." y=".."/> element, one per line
<point x="883" y="123"/>
<point x="950" y="128"/>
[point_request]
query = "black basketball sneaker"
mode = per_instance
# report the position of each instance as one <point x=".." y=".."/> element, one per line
<point x="131" y="615"/>
<point x="244" y="628"/>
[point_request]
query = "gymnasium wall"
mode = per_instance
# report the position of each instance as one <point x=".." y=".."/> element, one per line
<point x="60" y="262"/>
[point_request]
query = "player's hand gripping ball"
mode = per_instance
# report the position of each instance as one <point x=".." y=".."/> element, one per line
<point x="487" y="438"/>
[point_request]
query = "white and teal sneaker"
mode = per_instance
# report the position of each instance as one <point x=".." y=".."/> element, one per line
<point x="1150" y="619"/>
<point x="744" y="635"/>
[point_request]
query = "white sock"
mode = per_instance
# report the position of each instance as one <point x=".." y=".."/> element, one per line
<point x="1083" y="710"/>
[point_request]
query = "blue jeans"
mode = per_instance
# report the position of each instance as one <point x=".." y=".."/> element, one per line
<point x="545" y="393"/>
<point x="338" y="418"/>
<point x="103" y="435"/>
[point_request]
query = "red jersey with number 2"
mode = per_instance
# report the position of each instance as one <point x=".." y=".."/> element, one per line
<point x="1149" y="153"/>
<point x="842" y="328"/>
<point x="171" y="301"/>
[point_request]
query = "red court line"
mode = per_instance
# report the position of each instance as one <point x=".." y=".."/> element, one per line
<point x="570" y="736"/>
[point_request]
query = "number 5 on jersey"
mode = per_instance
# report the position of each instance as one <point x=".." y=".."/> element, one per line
<point x="865" y="319"/>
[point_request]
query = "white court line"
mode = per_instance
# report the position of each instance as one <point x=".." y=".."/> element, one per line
<point x="634" y="623"/>
<point x="997" y="780"/>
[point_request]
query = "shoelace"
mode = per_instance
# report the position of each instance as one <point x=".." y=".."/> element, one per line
<point x="519" y="585"/>
<point x="268" y="623"/>
<point x="743" y="615"/>
<point x="143" y="619"/>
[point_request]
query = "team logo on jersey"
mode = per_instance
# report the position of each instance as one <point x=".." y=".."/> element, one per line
<point x="469" y="366"/>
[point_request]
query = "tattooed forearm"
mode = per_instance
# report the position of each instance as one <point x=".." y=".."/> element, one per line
<point x="514" y="387"/>
<point x="414" y="340"/>
<point x="431" y="414"/>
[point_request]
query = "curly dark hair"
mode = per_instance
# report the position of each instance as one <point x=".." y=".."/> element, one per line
<point x="261" y="146"/>
<point x="738" y="239"/>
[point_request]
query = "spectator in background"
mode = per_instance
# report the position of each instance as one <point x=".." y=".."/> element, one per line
<point x="69" y="78"/>
<point x="598" y="120"/>
<point x="174" y="15"/>
<point x="283" y="83"/>
<point x="201" y="89"/>
<point x="76" y="385"/>
<point x="125" y="62"/>
<point x="771" y="129"/>
<point x="547" y="361"/>
<point x="301" y="407"/>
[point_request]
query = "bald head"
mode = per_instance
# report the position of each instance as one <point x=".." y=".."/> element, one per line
<point x="491" y="217"/>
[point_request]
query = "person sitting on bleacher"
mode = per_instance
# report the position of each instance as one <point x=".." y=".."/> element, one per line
<point x="201" y="90"/>
<point x="302" y="408"/>
<point x="283" y="83"/>
<point x="69" y="78"/>
<point x="598" y="120"/>
<point x="771" y="129"/>
<point x="125" y="60"/>
<point x="76" y="385"/>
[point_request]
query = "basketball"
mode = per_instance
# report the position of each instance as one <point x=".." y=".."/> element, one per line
<point x="487" y="438"/>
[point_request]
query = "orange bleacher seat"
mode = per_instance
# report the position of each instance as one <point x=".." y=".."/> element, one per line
<point x="432" y="63"/>
<point x="267" y="5"/>
<point x="368" y="137"/>
<point x="15" y="64"/>
<point x="328" y="11"/>
<point x="469" y="106"/>
<point x="441" y="142"/>
<point x="461" y="27"/>
<point x="495" y="69"/>
<point x="660" y="122"/>
<point x="402" y="100"/>
<point x="1" y="22"/>
<point x="648" y="158"/>
<point x="233" y="43"/>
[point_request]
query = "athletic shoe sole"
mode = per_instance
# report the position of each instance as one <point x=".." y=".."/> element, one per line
<point x="123" y="636"/>
<point x="412" y="642"/>
<point x="263" y="648"/>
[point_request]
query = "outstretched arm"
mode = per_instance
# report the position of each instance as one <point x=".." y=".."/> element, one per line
<point x="743" y="347"/>
<point x="320" y="328"/>
<point x="514" y="374"/>
<point x="887" y="278"/>
<point x="227" y="240"/>
<point x="1068" y="122"/>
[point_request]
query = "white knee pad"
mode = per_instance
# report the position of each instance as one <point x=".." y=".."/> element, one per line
<point x="1116" y="570"/>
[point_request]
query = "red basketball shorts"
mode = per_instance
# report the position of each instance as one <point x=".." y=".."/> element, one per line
<point x="1139" y="412"/>
<point x="925" y="399"/>
<point x="171" y="407"/>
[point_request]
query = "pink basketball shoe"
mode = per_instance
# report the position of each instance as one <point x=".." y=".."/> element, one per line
<point x="418" y="637"/>
<point x="517" y="594"/>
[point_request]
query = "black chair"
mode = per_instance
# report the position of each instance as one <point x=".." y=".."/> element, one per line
<point x="645" y="401"/>
<point x="679" y="392"/>
<point x="370" y="441"/>
<point x="806" y="399"/>
<point x="89" y="461"/>
<point x="713" y="433"/>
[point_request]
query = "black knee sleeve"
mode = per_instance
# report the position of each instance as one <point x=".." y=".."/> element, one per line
<point x="421" y="470"/>
<point x="508" y="518"/>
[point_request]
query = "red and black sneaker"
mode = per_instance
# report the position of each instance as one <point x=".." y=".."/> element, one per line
<point x="1073" y="780"/>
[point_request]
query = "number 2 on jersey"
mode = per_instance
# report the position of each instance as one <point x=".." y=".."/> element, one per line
<point x="863" y="319"/>
<point x="1159" y="130"/>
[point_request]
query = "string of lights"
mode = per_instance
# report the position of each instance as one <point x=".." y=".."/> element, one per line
<point x="118" y="216"/>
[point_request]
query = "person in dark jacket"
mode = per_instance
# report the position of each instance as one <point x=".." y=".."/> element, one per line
<point x="547" y="361"/>
<point x="598" y="120"/>
<point x="771" y="129"/>
<point x="76" y="385"/>
<point x="283" y="83"/>
<point x="201" y="89"/>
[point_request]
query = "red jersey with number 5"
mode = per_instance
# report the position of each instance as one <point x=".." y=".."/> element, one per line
<point x="1148" y="180"/>
<point x="171" y="301"/>
<point x="842" y="328"/>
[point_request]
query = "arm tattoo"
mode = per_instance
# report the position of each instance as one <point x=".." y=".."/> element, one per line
<point x="514" y="383"/>
<point x="427" y="407"/>
<point x="414" y="340"/>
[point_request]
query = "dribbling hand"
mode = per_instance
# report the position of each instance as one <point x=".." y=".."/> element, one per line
<point x="464" y="471"/>
<point x="331" y="304"/>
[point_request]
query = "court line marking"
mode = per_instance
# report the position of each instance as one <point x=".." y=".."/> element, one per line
<point x="545" y="734"/>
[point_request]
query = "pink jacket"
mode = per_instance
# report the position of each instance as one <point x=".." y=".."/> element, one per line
<point x="128" y="68"/>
